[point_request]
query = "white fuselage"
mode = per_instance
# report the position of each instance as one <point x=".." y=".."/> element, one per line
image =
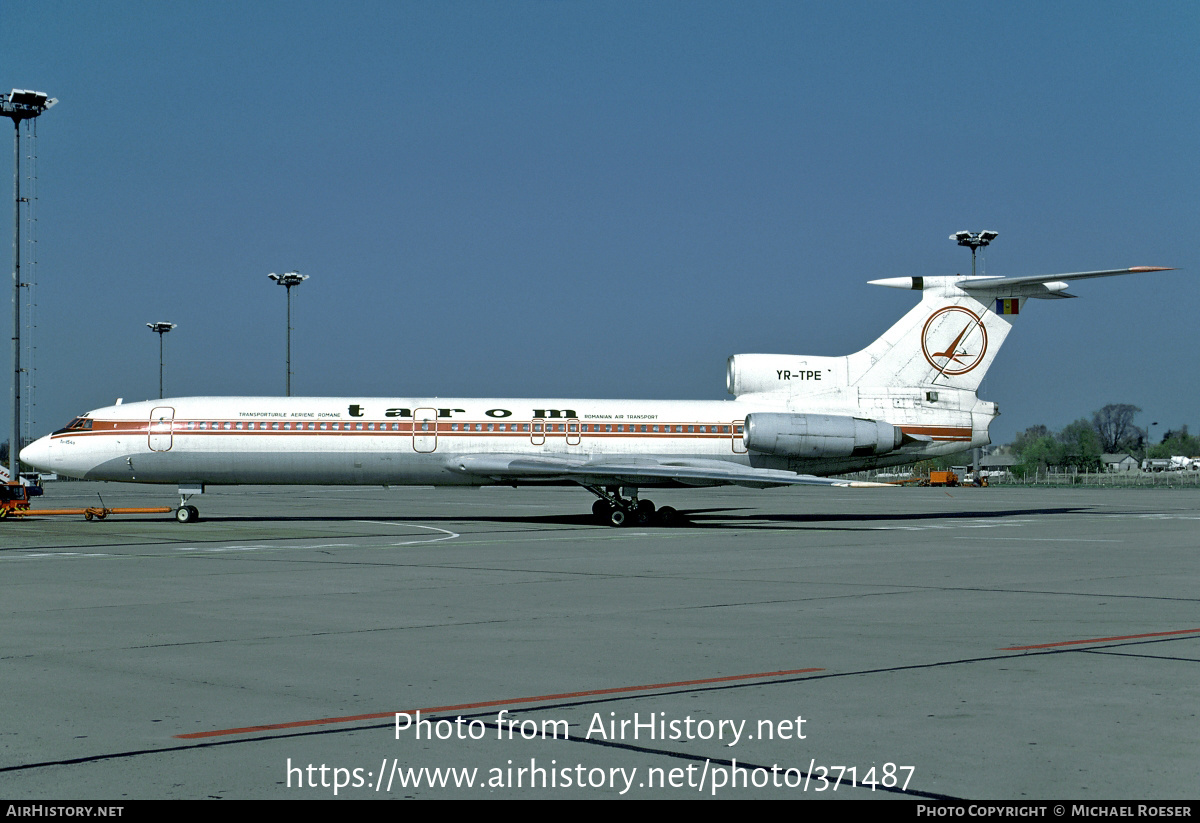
<point x="416" y="441"/>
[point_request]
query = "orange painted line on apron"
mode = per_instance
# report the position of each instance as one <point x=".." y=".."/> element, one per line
<point x="485" y="704"/>
<point x="1098" y="640"/>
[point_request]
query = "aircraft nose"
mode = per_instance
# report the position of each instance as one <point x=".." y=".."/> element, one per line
<point x="37" y="454"/>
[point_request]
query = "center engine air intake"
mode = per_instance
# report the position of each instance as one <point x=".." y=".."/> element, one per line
<point x="819" y="435"/>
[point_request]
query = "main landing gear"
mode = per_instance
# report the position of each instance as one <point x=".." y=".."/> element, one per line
<point x="620" y="506"/>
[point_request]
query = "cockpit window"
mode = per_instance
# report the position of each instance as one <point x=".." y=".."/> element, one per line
<point x="78" y="424"/>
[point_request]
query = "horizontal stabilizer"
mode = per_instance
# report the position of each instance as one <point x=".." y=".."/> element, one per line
<point x="991" y="284"/>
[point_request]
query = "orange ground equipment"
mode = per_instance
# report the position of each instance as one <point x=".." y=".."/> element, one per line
<point x="14" y="502"/>
<point x="14" y="498"/>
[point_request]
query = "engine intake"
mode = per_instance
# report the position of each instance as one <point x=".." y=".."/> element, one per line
<point x="819" y="435"/>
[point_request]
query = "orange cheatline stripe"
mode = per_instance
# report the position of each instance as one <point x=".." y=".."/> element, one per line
<point x="1097" y="640"/>
<point x="486" y="703"/>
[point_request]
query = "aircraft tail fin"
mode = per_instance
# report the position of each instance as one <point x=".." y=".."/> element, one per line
<point x="952" y="336"/>
<point x="948" y="340"/>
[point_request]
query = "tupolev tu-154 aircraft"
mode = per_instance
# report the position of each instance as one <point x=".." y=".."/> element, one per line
<point x="794" y="419"/>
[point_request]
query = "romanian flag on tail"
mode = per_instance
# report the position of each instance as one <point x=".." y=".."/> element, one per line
<point x="1007" y="305"/>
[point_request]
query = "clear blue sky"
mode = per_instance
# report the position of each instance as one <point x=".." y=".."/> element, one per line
<point x="600" y="199"/>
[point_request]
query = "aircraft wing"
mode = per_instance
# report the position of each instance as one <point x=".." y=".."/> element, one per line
<point x="633" y="471"/>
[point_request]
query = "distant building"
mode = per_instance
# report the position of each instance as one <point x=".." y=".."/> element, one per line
<point x="997" y="465"/>
<point x="1119" y="462"/>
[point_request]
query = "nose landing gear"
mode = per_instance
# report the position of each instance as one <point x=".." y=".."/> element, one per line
<point x="186" y="513"/>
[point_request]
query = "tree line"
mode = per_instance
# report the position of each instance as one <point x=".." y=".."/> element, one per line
<point x="1079" y="445"/>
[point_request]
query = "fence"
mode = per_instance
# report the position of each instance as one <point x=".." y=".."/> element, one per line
<point x="1180" y="479"/>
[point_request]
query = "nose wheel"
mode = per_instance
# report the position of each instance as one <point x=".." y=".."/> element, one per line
<point x="187" y="513"/>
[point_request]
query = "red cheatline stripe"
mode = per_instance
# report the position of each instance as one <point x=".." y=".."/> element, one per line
<point x="466" y="429"/>
<point x="484" y="704"/>
<point x="1098" y="640"/>
<point x="940" y="432"/>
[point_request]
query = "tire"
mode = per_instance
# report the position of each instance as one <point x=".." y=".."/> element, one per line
<point x="667" y="516"/>
<point x="601" y="509"/>
<point x="617" y="517"/>
<point x="185" y="514"/>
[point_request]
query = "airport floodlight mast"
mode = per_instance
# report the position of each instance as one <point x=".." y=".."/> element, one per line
<point x="974" y="239"/>
<point x="160" y="328"/>
<point x="287" y="280"/>
<point x="18" y="105"/>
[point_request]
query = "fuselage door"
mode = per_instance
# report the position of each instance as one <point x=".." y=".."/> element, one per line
<point x="162" y="421"/>
<point x="424" y="430"/>
<point x="537" y="431"/>
<point x="737" y="433"/>
<point x="573" y="432"/>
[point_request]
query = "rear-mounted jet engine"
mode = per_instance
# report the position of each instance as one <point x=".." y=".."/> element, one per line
<point x="819" y="435"/>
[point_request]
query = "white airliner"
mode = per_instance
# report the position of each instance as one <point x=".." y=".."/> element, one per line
<point x="794" y="420"/>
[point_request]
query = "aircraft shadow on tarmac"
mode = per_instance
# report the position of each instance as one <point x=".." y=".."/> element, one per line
<point x="710" y="518"/>
<point x="705" y="518"/>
